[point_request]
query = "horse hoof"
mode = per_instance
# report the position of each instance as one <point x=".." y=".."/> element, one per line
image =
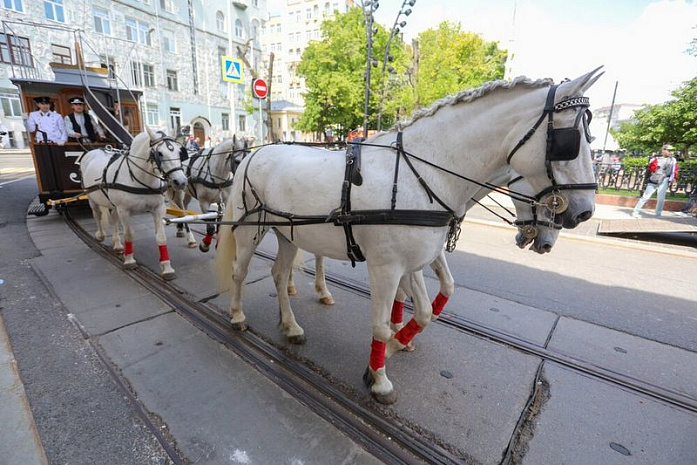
<point x="292" y="290"/>
<point x="169" y="276"/>
<point x="203" y="247"/>
<point x="241" y="326"/>
<point x="180" y="233"/>
<point x="99" y="238"/>
<point x="130" y="266"/>
<point x="192" y="245"/>
<point x="118" y="250"/>
<point x="409" y="347"/>
<point x="298" y="340"/>
<point x="327" y="300"/>
<point x="385" y="399"/>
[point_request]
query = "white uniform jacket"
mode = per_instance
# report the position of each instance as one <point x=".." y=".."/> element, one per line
<point x="51" y="123"/>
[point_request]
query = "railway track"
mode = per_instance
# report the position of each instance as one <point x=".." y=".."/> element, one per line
<point x="384" y="436"/>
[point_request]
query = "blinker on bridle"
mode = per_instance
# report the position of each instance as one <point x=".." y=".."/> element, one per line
<point x="563" y="144"/>
<point x="170" y="144"/>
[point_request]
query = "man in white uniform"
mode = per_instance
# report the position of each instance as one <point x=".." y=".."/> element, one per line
<point x="81" y="125"/>
<point x="48" y="125"/>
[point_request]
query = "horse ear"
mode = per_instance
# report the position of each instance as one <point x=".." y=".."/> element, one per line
<point x="581" y="84"/>
<point x="150" y="132"/>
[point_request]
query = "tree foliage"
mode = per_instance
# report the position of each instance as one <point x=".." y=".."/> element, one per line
<point x="452" y="60"/>
<point x="674" y="122"/>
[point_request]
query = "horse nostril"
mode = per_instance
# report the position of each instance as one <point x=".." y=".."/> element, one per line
<point x="547" y="248"/>
<point x="585" y="216"/>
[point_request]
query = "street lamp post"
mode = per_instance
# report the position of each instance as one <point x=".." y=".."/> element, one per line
<point x="369" y="7"/>
<point x="393" y="32"/>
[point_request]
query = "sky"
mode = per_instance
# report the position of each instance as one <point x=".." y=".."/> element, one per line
<point x="641" y="43"/>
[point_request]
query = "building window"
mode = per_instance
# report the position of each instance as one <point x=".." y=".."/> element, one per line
<point x="151" y="116"/>
<point x="137" y="31"/>
<point x="149" y="75"/>
<point x="255" y="30"/>
<point x="167" y="5"/>
<point x="172" y="81"/>
<point x="255" y="3"/>
<point x="109" y="63"/>
<point x="11" y="105"/>
<point x="308" y="14"/>
<point x="53" y="9"/>
<point x="168" y="41"/>
<point x="13" y="5"/>
<point x="327" y="9"/>
<point x="278" y="123"/>
<point x="102" y="21"/>
<point x="175" y="117"/>
<point x="238" y="28"/>
<point x="62" y="54"/>
<point x="136" y="73"/>
<point x="241" y="123"/>
<point x="17" y="52"/>
<point x="220" y="21"/>
<point x="225" y="121"/>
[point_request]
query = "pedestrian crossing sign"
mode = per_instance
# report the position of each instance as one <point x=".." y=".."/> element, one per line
<point x="233" y="70"/>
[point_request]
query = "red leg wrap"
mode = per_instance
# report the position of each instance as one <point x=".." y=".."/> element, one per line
<point x="164" y="255"/>
<point x="397" y="312"/>
<point x="406" y="334"/>
<point x="207" y="239"/>
<point x="439" y="303"/>
<point x="128" y="248"/>
<point x="377" y="355"/>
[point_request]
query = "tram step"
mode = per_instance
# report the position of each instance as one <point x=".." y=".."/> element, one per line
<point x="37" y="209"/>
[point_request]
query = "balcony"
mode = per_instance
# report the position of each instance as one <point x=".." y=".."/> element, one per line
<point x="241" y="4"/>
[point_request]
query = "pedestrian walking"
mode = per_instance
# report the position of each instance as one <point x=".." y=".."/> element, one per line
<point x="662" y="171"/>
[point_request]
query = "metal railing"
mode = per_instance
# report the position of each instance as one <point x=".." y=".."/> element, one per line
<point x="631" y="179"/>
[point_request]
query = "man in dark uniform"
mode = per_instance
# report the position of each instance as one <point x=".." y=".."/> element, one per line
<point x="80" y="125"/>
<point x="48" y="125"/>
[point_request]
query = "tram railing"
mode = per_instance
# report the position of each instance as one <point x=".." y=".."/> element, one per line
<point x="617" y="176"/>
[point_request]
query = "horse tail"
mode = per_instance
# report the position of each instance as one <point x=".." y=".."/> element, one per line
<point x="226" y="253"/>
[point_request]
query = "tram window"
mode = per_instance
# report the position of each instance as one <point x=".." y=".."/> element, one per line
<point x="62" y="54"/>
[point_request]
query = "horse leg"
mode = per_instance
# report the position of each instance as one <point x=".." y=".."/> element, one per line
<point x="297" y="263"/>
<point x="97" y="215"/>
<point x="284" y="262"/>
<point x="416" y="288"/>
<point x="246" y="241"/>
<point x="116" y="235"/>
<point x="325" y="296"/>
<point x="383" y="286"/>
<point x="205" y="244"/>
<point x="447" y="285"/>
<point x="176" y="197"/>
<point x="397" y="315"/>
<point x="129" y="262"/>
<point x="182" y="203"/>
<point x="166" y="270"/>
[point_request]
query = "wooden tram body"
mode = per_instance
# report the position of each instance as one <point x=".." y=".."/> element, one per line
<point x="57" y="167"/>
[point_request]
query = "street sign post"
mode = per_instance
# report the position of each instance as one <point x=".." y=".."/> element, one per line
<point x="259" y="88"/>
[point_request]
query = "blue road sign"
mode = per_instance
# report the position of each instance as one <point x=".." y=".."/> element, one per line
<point x="233" y="70"/>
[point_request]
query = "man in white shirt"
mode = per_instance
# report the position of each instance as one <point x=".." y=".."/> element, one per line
<point x="80" y="125"/>
<point x="48" y="125"/>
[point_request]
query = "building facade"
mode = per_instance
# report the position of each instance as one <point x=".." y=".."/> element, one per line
<point x="286" y="35"/>
<point x="171" y="50"/>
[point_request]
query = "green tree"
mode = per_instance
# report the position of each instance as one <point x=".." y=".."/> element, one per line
<point x="452" y="60"/>
<point x="333" y="69"/>
<point x="674" y="122"/>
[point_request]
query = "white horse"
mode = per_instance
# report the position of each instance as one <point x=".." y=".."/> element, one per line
<point x="209" y="176"/>
<point x="120" y="184"/>
<point x="473" y="134"/>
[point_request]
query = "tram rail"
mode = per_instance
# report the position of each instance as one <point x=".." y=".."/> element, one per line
<point x="386" y="437"/>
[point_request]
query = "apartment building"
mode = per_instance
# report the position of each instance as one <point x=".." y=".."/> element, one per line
<point x="287" y="35"/>
<point x="170" y="50"/>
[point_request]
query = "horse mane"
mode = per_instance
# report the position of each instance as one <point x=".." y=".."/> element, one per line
<point x="469" y="95"/>
<point x="139" y="141"/>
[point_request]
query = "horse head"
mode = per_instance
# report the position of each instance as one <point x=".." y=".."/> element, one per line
<point x="535" y="222"/>
<point x="563" y="178"/>
<point x="167" y="154"/>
